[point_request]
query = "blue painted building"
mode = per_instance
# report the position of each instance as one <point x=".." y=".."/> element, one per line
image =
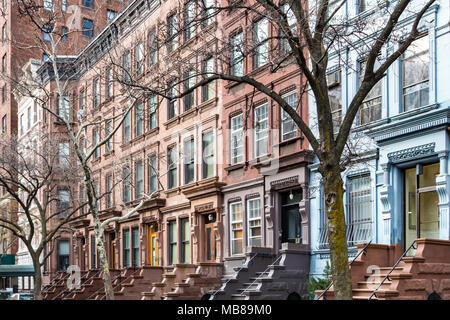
<point x="397" y="189"/>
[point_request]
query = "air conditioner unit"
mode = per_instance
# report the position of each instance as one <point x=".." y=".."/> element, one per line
<point x="334" y="78"/>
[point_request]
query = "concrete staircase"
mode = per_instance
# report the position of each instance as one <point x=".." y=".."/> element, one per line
<point x="56" y="285"/>
<point x="89" y="288"/>
<point x="426" y="275"/>
<point x="269" y="277"/>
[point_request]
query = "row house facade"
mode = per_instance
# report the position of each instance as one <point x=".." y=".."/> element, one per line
<point x="396" y="193"/>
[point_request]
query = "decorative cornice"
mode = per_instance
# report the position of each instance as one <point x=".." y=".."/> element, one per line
<point x="411" y="153"/>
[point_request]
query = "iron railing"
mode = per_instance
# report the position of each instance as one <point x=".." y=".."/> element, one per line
<point x="374" y="293"/>
<point x="233" y="276"/>
<point x="71" y="291"/>
<point x="363" y="251"/>
<point x="268" y="267"/>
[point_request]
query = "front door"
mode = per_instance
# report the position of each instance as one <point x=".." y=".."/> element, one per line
<point x="421" y="203"/>
<point x="152" y="246"/>
<point x="112" y="250"/>
<point x="290" y="217"/>
<point x="210" y="238"/>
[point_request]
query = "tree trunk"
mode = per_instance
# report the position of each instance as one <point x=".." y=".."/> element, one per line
<point x="37" y="290"/>
<point x="106" y="276"/>
<point x="337" y="237"/>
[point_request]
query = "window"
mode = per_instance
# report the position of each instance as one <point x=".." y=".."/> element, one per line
<point x="96" y="138"/>
<point x="64" y="33"/>
<point x="47" y="30"/>
<point x="82" y="100"/>
<point x="153" y="47"/>
<point x="93" y="253"/>
<point x="48" y="5"/>
<point x="172" y="25"/>
<point x="109" y="129"/>
<point x="366" y="4"/>
<point x="292" y="22"/>
<point x="208" y="89"/>
<point x="153" y="167"/>
<point x="254" y="222"/>
<point x="236" y="140"/>
<point x="188" y="83"/>
<point x="139" y="180"/>
<point x="109" y="189"/>
<point x="139" y="54"/>
<point x="189" y="16"/>
<point x="88" y="3"/>
<point x="4" y="63"/>
<point x="236" y="228"/>
<point x="208" y="155"/>
<point x="64" y="154"/>
<point x="359" y="220"/>
<point x="371" y="107"/>
<point x="126" y="185"/>
<point x="110" y="15"/>
<point x="126" y="248"/>
<point x="88" y="28"/>
<point x="185" y="237"/>
<point x="64" y="5"/>
<point x="4" y="33"/>
<point x="172" y="167"/>
<point x="261" y="124"/>
<point x="4" y="124"/>
<point x="288" y="126"/>
<point x="29" y="118"/>
<point x="126" y="66"/>
<point x="260" y="35"/>
<point x="415" y="74"/>
<point x="139" y="119"/>
<point x="335" y="96"/>
<point x="109" y="83"/>
<point x="152" y="105"/>
<point x="127" y="128"/>
<point x="63" y="254"/>
<point x="3" y="93"/>
<point x="63" y="202"/>
<point x="189" y="165"/>
<point x="21" y="125"/>
<point x="237" y="56"/>
<point x="96" y="92"/>
<point x="172" y="226"/>
<point x="135" y="246"/>
<point x="64" y="108"/>
<point x="207" y="12"/>
<point x="172" y="102"/>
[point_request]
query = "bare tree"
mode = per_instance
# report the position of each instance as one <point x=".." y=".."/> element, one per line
<point x="32" y="174"/>
<point x="303" y="34"/>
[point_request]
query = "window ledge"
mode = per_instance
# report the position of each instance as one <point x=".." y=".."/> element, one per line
<point x="235" y="167"/>
<point x="108" y="154"/>
<point x="172" y="121"/>
<point x="288" y="141"/>
<point x="151" y="132"/>
<point x="208" y="104"/>
<point x="171" y="191"/>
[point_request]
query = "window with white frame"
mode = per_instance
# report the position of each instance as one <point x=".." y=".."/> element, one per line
<point x="153" y="47"/>
<point x="109" y="189"/>
<point x="127" y="128"/>
<point x="172" y="102"/>
<point x="48" y="5"/>
<point x="261" y="127"/>
<point x="64" y="154"/>
<point x="415" y="74"/>
<point x="254" y="222"/>
<point x="139" y="120"/>
<point x="236" y="139"/>
<point x="152" y="105"/>
<point x="109" y="83"/>
<point x="138" y="179"/>
<point x="189" y="16"/>
<point x="208" y="155"/>
<point x="335" y="96"/>
<point x="139" y="58"/>
<point x="359" y="216"/>
<point x="109" y="129"/>
<point x="96" y="92"/>
<point x="236" y="230"/>
<point x="260" y="35"/>
<point x="126" y="65"/>
<point x="172" y="27"/>
<point x="64" y="107"/>
<point x="370" y="110"/>
<point x="365" y="5"/>
<point x="189" y="82"/>
<point x="207" y="12"/>
<point x="288" y="126"/>
<point x="126" y="180"/>
<point x="172" y="167"/>
<point x="237" y="55"/>
<point x="96" y="138"/>
<point x="208" y="89"/>
<point x="189" y="165"/>
<point x="153" y="167"/>
<point x="292" y="22"/>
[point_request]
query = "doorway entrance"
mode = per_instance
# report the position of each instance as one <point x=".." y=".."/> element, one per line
<point x="151" y="245"/>
<point x="291" y="230"/>
<point x="421" y="203"/>
<point x="112" y="250"/>
<point x="210" y="238"/>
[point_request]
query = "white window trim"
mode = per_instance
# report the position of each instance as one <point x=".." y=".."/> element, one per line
<point x="253" y="219"/>
<point x="232" y="204"/>
<point x="256" y="155"/>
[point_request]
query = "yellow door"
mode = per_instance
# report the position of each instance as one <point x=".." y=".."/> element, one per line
<point x="152" y="246"/>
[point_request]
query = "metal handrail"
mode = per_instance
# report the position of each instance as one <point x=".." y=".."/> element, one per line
<point x="273" y="263"/>
<point x="98" y="290"/>
<point x="232" y="277"/>
<point x="70" y="290"/>
<point x="392" y="269"/>
<point x="56" y="282"/>
<point x="331" y="283"/>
